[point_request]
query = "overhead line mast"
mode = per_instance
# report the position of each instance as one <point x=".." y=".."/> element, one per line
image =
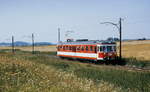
<point x="119" y="27"/>
<point x="58" y="35"/>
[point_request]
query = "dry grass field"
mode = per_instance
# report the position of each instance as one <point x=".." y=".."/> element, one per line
<point x="137" y="49"/>
<point x="50" y="48"/>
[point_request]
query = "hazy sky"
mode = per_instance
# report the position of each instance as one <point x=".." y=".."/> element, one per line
<point x="21" y="18"/>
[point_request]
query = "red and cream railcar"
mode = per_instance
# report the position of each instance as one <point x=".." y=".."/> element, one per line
<point x="91" y="50"/>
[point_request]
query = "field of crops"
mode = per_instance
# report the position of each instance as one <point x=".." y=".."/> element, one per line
<point x="40" y="72"/>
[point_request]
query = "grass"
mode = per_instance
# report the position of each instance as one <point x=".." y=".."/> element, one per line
<point x="21" y="74"/>
<point x="127" y="80"/>
<point x="133" y="62"/>
<point x="64" y="75"/>
<point x="135" y="81"/>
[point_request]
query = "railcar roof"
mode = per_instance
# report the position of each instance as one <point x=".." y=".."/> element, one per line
<point x="86" y="42"/>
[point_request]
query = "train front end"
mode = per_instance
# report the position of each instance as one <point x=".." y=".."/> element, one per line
<point x="106" y="51"/>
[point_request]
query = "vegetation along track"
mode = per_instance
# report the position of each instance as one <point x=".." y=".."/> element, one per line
<point x="137" y="66"/>
<point x="125" y="78"/>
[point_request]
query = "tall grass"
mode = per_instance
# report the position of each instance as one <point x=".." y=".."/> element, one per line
<point x="68" y="75"/>
<point x="133" y="62"/>
<point x="20" y="74"/>
<point x="128" y="80"/>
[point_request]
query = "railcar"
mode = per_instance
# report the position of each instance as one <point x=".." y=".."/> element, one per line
<point x="89" y="50"/>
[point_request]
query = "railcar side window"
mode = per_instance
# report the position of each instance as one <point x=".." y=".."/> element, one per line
<point x="66" y="47"/>
<point x="79" y="48"/>
<point x="86" y="48"/>
<point x="82" y="48"/>
<point x="95" y="49"/>
<point x="91" y="48"/>
<point x="74" y="48"/>
<point x="69" y="47"/>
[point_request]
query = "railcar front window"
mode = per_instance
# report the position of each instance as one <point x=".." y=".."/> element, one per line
<point x="109" y="48"/>
<point x="102" y="48"/>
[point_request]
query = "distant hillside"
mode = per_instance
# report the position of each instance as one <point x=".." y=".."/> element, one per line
<point x="43" y="43"/>
<point x="21" y="43"/>
<point x="5" y="44"/>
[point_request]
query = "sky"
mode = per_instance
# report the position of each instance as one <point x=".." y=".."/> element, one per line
<point x="83" y="18"/>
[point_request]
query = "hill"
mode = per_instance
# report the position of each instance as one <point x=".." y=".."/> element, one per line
<point x="21" y="43"/>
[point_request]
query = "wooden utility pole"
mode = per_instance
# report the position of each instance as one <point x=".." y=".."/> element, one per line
<point x="58" y="35"/>
<point x="32" y="43"/>
<point x="120" y="33"/>
<point x="13" y="46"/>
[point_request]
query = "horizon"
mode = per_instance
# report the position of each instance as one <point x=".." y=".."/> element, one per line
<point x="21" y="18"/>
